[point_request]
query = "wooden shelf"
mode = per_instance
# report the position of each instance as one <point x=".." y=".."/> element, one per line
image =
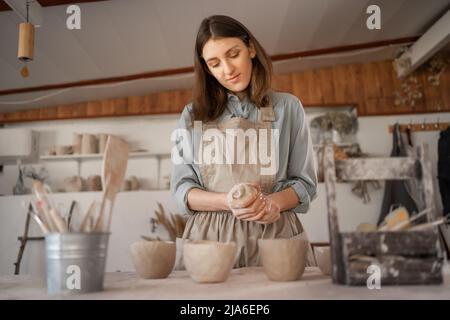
<point x="341" y="144"/>
<point x="80" y="157"/>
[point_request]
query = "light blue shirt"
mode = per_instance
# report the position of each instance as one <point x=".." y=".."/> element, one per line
<point x="296" y="159"/>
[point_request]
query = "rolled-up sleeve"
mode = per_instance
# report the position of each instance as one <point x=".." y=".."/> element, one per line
<point x="185" y="175"/>
<point x="301" y="169"/>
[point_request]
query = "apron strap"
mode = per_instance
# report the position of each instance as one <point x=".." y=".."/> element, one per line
<point x="266" y="114"/>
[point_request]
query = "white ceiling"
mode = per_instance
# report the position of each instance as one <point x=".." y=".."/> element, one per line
<point x="121" y="37"/>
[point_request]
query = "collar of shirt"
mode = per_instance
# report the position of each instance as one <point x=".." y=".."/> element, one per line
<point x="238" y="108"/>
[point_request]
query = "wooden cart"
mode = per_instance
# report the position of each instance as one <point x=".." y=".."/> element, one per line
<point x="403" y="257"/>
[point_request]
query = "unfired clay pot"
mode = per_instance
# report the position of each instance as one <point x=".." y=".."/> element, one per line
<point x="94" y="183"/>
<point x="126" y="185"/>
<point x="51" y="151"/>
<point x="62" y="150"/>
<point x="102" y="139"/>
<point x="283" y="259"/>
<point x="323" y="258"/>
<point x="76" y="143"/>
<point x="134" y="183"/>
<point x="73" y="184"/>
<point x="153" y="259"/>
<point x="88" y="144"/>
<point x="209" y="261"/>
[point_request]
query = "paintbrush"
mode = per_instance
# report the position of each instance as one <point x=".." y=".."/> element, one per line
<point x="424" y="226"/>
<point x="38" y="220"/>
<point x="405" y="224"/>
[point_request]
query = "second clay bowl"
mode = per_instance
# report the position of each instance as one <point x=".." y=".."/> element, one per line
<point x="283" y="259"/>
<point x="209" y="261"/>
<point x="323" y="258"/>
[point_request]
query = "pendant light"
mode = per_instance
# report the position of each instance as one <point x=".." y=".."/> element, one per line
<point x="26" y="44"/>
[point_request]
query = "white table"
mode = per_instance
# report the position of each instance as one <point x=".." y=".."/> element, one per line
<point x="245" y="283"/>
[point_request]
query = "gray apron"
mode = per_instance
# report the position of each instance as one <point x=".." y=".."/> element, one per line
<point x="223" y="226"/>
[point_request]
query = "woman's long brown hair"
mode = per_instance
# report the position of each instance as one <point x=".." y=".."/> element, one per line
<point x="209" y="96"/>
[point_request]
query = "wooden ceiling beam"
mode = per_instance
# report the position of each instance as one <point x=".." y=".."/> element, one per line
<point x="49" y="3"/>
<point x="4" y="6"/>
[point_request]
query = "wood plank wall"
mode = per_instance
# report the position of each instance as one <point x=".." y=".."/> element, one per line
<point x="369" y="86"/>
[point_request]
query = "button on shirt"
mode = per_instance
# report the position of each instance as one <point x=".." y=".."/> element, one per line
<point x="296" y="159"/>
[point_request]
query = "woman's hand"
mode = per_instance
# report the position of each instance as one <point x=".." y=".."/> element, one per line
<point x="260" y="209"/>
<point x="251" y="207"/>
<point x="270" y="214"/>
<point x="276" y="203"/>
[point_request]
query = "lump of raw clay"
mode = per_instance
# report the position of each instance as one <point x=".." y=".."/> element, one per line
<point x="239" y="194"/>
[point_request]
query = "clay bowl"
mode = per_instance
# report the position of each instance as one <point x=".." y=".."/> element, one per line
<point x="73" y="184"/>
<point x="209" y="261"/>
<point x="283" y="259"/>
<point x="62" y="150"/>
<point x="153" y="259"/>
<point x="323" y="258"/>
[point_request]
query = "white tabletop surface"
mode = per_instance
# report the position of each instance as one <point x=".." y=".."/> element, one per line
<point x="246" y="283"/>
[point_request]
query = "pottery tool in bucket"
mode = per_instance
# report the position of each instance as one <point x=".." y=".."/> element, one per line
<point x="76" y="260"/>
<point x="47" y="209"/>
<point x="114" y="167"/>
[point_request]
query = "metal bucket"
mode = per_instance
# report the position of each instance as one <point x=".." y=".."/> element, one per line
<point x="75" y="262"/>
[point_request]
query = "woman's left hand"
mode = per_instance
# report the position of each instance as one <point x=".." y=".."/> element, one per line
<point x="270" y="214"/>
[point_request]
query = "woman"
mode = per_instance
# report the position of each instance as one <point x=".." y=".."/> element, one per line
<point x="232" y="92"/>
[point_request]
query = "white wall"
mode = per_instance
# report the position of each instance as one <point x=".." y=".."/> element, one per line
<point x="146" y="132"/>
<point x="134" y="209"/>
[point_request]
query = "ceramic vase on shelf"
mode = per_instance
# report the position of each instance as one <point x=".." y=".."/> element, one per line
<point x="77" y="138"/>
<point x="88" y="144"/>
<point x="102" y="138"/>
<point x="126" y="185"/>
<point x="134" y="183"/>
<point x="73" y="184"/>
<point x="94" y="183"/>
<point x="20" y="188"/>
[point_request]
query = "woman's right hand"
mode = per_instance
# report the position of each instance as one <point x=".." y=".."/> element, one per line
<point x="251" y="208"/>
